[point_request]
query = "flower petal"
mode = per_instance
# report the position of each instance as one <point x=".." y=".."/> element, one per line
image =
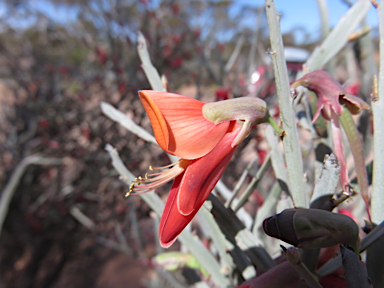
<point x="318" y="111"/>
<point x="179" y="125"/>
<point x="159" y="126"/>
<point x="172" y="222"/>
<point x="353" y="103"/>
<point x="191" y="188"/>
<point x="202" y="174"/>
<point x="326" y="88"/>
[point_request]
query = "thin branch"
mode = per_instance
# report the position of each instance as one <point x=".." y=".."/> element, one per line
<point x="255" y="181"/>
<point x="126" y="122"/>
<point x="291" y="139"/>
<point x="240" y="183"/>
<point x="149" y="70"/>
<point x="82" y="218"/>
<point x="293" y="257"/>
<point x="7" y="194"/>
<point x="235" y="53"/>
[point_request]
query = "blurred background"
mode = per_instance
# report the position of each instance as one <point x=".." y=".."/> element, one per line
<point x="68" y="223"/>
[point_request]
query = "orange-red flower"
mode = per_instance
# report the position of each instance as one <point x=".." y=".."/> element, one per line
<point x="204" y="139"/>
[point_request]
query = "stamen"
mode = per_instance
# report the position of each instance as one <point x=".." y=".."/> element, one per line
<point x="167" y="166"/>
<point x="128" y="193"/>
<point x="152" y="181"/>
<point x="154" y="174"/>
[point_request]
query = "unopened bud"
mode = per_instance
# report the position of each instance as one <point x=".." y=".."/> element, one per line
<point x="312" y="228"/>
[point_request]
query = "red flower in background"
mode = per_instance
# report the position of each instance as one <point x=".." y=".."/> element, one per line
<point x="222" y="94"/>
<point x="101" y="55"/>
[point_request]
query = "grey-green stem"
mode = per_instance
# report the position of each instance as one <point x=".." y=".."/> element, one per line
<point x="290" y="140"/>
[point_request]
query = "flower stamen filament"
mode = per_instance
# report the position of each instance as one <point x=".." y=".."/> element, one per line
<point x="152" y="181"/>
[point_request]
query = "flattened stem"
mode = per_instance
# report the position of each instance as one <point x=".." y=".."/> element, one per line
<point x="291" y="140"/>
<point x="378" y="120"/>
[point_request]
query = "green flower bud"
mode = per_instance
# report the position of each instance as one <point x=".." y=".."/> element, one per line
<point x="312" y="228"/>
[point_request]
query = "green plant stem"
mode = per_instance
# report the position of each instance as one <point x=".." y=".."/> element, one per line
<point x="255" y="180"/>
<point x="149" y="70"/>
<point x="357" y="153"/>
<point x="324" y="23"/>
<point x="277" y="160"/>
<point x="378" y="120"/>
<point x="300" y="267"/>
<point x="290" y="140"/>
<point x="7" y="194"/>
<point x="306" y="275"/>
<point x="266" y="209"/>
<point x="274" y="125"/>
<point x="243" y="176"/>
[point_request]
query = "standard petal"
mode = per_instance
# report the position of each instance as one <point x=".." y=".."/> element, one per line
<point x="202" y="174"/>
<point x="159" y="125"/>
<point x="179" y="125"/>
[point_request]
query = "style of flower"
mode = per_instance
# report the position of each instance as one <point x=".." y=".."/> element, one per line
<point x="331" y="100"/>
<point x="205" y="137"/>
